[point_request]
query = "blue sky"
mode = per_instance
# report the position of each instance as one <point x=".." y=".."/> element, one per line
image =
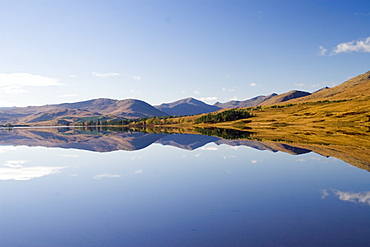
<point x="55" y="51"/>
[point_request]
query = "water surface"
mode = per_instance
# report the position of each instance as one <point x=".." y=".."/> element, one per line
<point x="68" y="188"/>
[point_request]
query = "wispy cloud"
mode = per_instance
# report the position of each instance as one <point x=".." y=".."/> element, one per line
<point x="322" y="51"/>
<point x="353" y="46"/>
<point x="253" y="84"/>
<point x="322" y="84"/>
<point x="228" y="89"/>
<point x="197" y="92"/>
<point x="360" y="45"/>
<point x="136" y="77"/>
<point x="134" y="91"/>
<point x="138" y="171"/>
<point x="135" y="158"/>
<point x="98" y="74"/>
<point x="14" y="83"/>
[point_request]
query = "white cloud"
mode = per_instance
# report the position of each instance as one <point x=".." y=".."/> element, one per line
<point x="138" y="171"/>
<point x="134" y="91"/>
<point x="362" y="45"/>
<point x="197" y="92"/>
<point x="98" y="74"/>
<point x="299" y="85"/>
<point x="26" y="79"/>
<point x="106" y="175"/>
<point x="254" y="161"/>
<point x="27" y="173"/>
<point x="6" y="103"/>
<point x="198" y="155"/>
<point x="135" y="77"/>
<point x="253" y="84"/>
<point x="208" y="99"/>
<point x="14" y="83"/>
<point x="228" y="89"/>
<point x="322" y="51"/>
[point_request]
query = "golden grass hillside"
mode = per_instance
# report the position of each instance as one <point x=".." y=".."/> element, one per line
<point x="354" y="88"/>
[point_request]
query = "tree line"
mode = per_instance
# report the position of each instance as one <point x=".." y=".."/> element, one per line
<point x="225" y="116"/>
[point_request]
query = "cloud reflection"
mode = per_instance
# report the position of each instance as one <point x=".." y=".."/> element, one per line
<point x="355" y="197"/>
<point x="26" y="173"/>
<point x="106" y="175"/>
<point x="4" y="149"/>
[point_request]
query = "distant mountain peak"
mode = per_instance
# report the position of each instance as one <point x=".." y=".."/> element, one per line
<point x="246" y="103"/>
<point x="187" y="106"/>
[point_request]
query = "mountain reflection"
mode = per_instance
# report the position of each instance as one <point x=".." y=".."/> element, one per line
<point x="97" y="140"/>
<point x="112" y="139"/>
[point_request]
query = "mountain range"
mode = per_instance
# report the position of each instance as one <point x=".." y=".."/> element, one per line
<point x="103" y="108"/>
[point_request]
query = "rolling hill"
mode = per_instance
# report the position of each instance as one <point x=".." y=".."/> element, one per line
<point x="354" y="88"/>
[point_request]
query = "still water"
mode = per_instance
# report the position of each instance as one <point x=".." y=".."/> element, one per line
<point x="61" y="188"/>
